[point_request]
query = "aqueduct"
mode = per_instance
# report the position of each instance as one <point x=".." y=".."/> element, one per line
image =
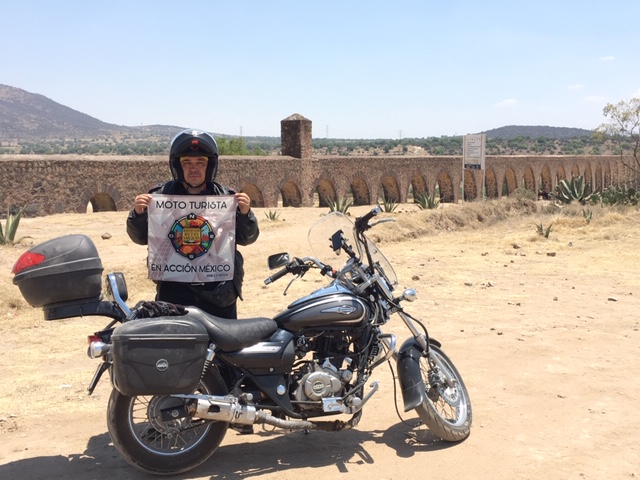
<point x="64" y="183"/>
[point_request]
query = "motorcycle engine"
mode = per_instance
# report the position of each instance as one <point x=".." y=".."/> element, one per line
<point x="321" y="381"/>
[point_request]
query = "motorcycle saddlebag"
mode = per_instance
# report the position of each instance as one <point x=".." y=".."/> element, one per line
<point x="64" y="270"/>
<point x="162" y="355"/>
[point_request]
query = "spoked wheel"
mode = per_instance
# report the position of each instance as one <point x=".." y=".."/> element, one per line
<point x="447" y="408"/>
<point x="143" y="431"/>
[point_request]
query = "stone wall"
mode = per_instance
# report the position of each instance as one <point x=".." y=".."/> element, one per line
<point x="52" y="184"/>
<point x="57" y="184"/>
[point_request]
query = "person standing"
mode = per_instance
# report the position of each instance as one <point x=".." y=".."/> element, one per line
<point x="193" y="161"/>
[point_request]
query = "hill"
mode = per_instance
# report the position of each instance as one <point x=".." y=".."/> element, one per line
<point x="514" y="131"/>
<point x="25" y="115"/>
<point x="34" y="124"/>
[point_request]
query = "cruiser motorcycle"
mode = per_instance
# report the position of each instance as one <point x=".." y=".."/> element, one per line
<point x="182" y="377"/>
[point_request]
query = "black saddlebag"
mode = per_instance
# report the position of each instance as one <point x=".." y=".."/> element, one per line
<point x="153" y="356"/>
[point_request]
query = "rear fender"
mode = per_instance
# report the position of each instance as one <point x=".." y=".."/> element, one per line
<point x="410" y="375"/>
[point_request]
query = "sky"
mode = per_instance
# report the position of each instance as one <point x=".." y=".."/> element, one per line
<point x="356" y="69"/>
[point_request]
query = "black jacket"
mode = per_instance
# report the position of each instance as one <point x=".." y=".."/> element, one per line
<point x="216" y="293"/>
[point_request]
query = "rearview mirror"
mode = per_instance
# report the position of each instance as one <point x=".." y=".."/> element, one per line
<point x="278" y="260"/>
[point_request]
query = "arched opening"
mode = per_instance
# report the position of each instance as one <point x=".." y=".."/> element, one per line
<point x="390" y="189"/>
<point x="101" y="202"/>
<point x="597" y="182"/>
<point x="418" y="187"/>
<point x="575" y="170"/>
<point x="560" y="174"/>
<point x="360" y="192"/>
<point x="326" y="192"/>
<point x="490" y="183"/>
<point x="588" y="178"/>
<point x="529" y="179"/>
<point x="546" y="183"/>
<point x="445" y="188"/>
<point x="257" y="199"/>
<point x="291" y="195"/>
<point x="469" y="186"/>
<point x="509" y="183"/>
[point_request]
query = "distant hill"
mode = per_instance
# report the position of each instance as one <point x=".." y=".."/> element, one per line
<point x="514" y="131"/>
<point x="26" y="116"/>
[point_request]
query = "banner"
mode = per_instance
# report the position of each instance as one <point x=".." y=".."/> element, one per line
<point x="192" y="239"/>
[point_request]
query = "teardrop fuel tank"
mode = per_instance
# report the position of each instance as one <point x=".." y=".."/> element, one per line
<point x="331" y="306"/>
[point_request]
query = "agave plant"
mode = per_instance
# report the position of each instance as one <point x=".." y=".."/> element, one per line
<point x="340" y="205"/>
<point x="575" y="189"/>
<point x="426" y="201"/>
<point x="11" y="227"/>
<point x="272" y="215"/>
<point x="388" y="205"/>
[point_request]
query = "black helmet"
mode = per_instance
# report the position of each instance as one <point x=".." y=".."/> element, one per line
<point x="193" y="143"/>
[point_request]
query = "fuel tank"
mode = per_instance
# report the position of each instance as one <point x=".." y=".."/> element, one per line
<point x="331" y="306"/>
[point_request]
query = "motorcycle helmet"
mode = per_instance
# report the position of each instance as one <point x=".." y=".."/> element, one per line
<point x="193" y="143"/>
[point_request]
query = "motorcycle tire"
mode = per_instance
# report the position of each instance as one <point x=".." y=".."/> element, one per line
<point x="446" y="410"/>
<point x="158" y="446"/>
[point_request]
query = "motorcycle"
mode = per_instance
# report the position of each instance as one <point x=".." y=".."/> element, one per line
<point x="182" y="377"/>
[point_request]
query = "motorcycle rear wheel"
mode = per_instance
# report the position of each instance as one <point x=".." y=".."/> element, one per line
<point x="158" y="446"/>
<point x="446" y="409"/>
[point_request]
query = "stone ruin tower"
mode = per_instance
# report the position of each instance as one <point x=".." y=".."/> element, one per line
<point x="295" y="135"/>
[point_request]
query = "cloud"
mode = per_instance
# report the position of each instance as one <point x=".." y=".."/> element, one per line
<point x="608" y="58"/>
<point x="595" y="99"/>
<point x="509" y="102"/>
<point x="577" y="86"/>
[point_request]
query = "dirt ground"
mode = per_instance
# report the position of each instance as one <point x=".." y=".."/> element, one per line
<point x="544" y="331"/>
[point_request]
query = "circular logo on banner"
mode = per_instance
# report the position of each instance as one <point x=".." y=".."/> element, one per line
<point x="191" y="236"/>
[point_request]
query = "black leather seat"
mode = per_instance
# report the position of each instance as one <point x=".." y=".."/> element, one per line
<point x="229" y="334"/>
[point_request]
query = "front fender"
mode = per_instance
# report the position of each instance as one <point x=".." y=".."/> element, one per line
<point x="410" y="374"/>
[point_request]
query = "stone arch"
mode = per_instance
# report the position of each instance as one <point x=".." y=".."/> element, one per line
<point x="291" y="196"/>
<point x="597" y="182"/>
<point x="257" y="199"/>
<point x="469" y="189"/>
<point x="546" y="182"/>
<point x="491" y="183"/>
<point x="607" y="175"/>
<point x="529" y="180"/>
<point x="588" y="176"/>
<point x="418" y="186"/>
<point x="390" y="189"/>
<point x="103" y="198"/>
<point x="560" y="174"/>
<point x="361" y="195"/>
<point x="509" y="183"/>
<point x="575" y="170"/>
<point x="102" y="202"/>
<point x="326" y="192"/>
<point x="445" y="185"/>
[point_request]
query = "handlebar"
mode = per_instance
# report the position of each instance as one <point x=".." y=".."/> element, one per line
<point x="300" y="266"/>
<point x="362" y="223"/>
<point x="276" y="276"/>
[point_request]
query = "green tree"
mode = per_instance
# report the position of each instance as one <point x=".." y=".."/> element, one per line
<point x="624" y="129"/>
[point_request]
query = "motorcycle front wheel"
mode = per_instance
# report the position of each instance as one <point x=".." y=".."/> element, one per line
<point x="160" y="446"/>
<point x="446" y="409"/>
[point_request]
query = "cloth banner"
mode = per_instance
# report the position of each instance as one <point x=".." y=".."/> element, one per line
<point x="192" y="239"/>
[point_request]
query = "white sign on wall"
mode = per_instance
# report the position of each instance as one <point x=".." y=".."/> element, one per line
<point x="473" y="151"/>
<point x="192" y="239"/>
